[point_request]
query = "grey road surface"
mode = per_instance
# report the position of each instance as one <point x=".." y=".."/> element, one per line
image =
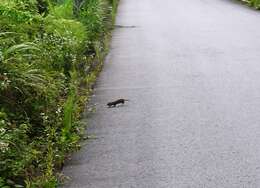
<point x="191" y="69"/>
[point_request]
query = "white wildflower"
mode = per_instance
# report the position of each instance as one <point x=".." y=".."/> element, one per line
<point x="3" y="146"/>
<point x="2" y="131"/>
<point x="58" y="110"/>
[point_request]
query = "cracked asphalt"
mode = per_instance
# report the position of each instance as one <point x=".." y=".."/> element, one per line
<point x="191" y="70"/>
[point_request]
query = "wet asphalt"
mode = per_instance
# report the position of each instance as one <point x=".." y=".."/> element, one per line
<point x="191" y="69"/>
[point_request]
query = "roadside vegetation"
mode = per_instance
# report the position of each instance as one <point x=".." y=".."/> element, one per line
<point x="253" y="3"/>
<point x="50" y="54"/>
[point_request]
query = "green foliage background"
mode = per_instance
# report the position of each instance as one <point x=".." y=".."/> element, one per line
<point x="253" y="3"/>
<point x="50" y="54"/>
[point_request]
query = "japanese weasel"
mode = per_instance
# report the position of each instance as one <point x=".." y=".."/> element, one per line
<point x="114" y="103"/>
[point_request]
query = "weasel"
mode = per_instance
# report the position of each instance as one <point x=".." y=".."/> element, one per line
<point x="114" y="103"/>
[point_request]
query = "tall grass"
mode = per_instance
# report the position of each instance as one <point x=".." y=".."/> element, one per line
<point x="50" y="53"/>
<point x="64" y="10"/>
<point x="69" y="108"/>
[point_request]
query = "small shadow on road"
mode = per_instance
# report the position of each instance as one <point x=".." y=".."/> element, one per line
<point x="125" y="26"/>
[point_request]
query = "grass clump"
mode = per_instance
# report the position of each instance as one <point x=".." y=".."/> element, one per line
<point x="50" y="54"/>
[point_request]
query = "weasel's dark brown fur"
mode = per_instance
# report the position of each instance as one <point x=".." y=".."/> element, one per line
<point x="114" y="103"/>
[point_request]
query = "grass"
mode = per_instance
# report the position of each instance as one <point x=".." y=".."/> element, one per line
<point x="50" y="55"/>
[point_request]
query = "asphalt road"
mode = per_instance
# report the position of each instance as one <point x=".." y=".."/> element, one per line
<point x="191" y="69"/>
